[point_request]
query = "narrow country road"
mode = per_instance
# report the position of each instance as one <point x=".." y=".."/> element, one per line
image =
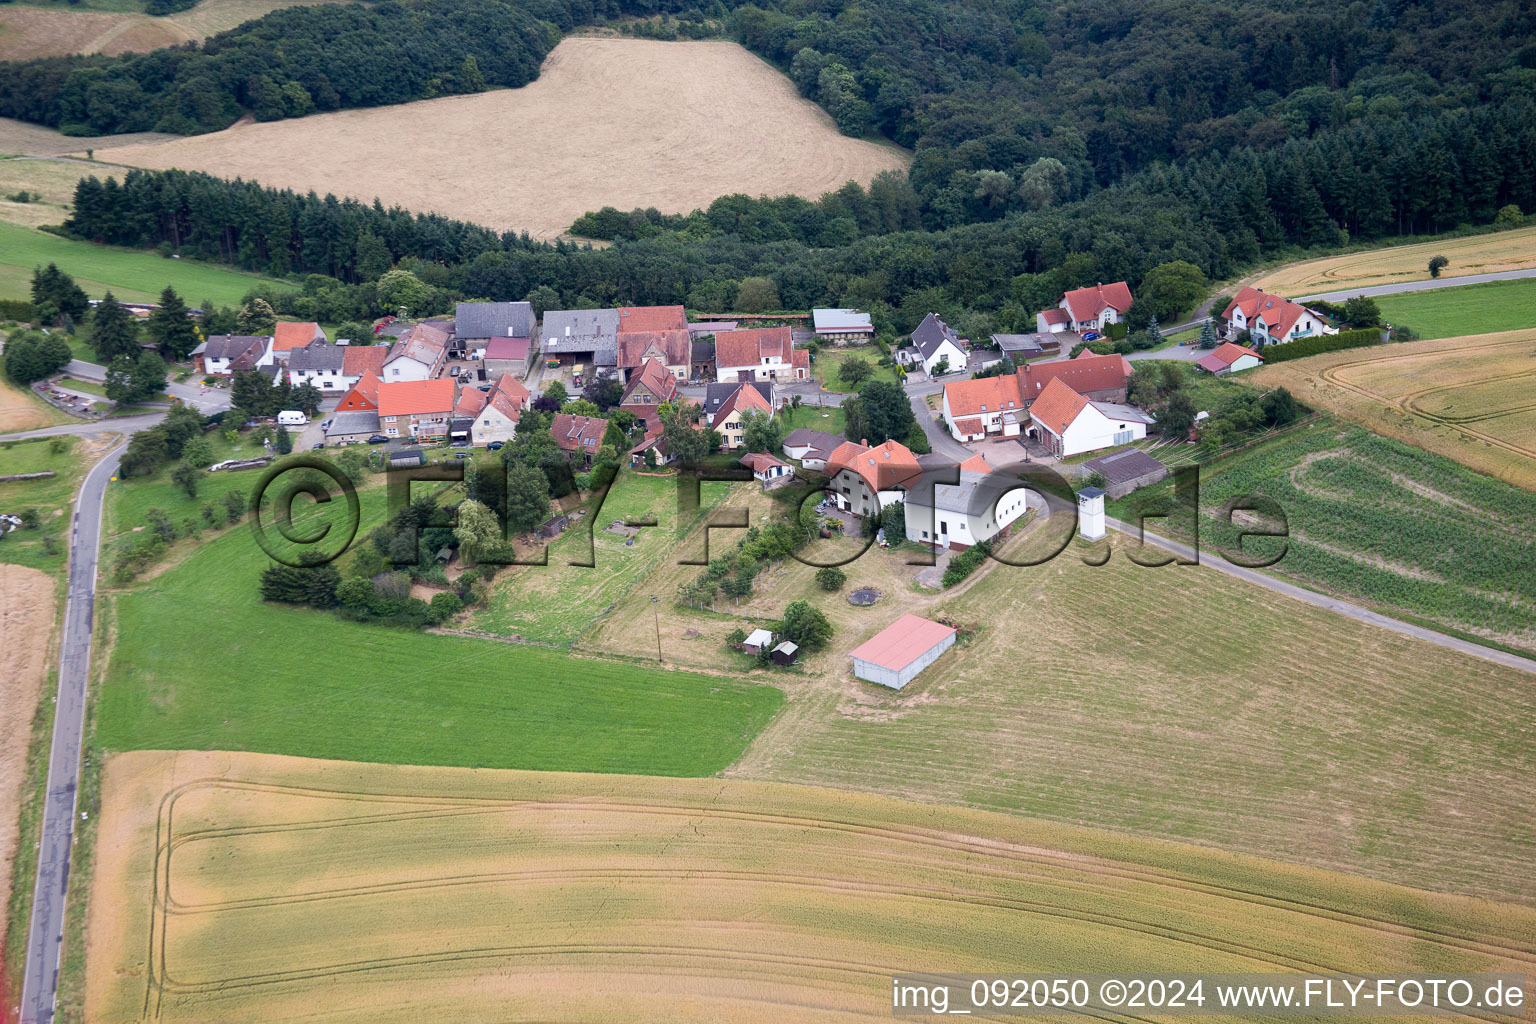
<point x="45" y="937"/>
<point x="1333" y="604"/>
<point x="1416" y="286"/>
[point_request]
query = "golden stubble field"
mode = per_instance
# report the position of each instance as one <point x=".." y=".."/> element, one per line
<point x="245" y="887"/>
<point x="28" y="32"/>
<point x="1472" y="399"/>
<point x="1478" y="254"/>
<point x="621" y="122"/>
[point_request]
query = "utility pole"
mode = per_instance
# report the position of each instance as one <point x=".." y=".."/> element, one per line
<point x="656" y="615"/>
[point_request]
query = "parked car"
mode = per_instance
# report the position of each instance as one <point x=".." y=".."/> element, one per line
<point x="317" y="446"/>
<point x="494" y="446"/>
<point x="378" y="439"/>
<point x="459" y="444"/>
<point x="1091" y="335"/>
<point x="484" y="387"/>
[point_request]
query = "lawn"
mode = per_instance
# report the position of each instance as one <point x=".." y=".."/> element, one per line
<point x="129" y="499"/>
<point x="558" y="603"/>
<point x="1469" y="309"/>
<point x="827" y="419"/>
<point x="200" y="662"/>
<point x="827" y="362"/>
<point x="131" y="275"/>
<point x="51" y="496"/>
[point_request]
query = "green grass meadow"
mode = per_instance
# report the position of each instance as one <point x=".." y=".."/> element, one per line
<point x="828" y="419"/>
<point x="132" y="276"/>
<point x="200" y="662"/>
<point x="52" y="497"/>
<point x="829" y="361"/>
<point x="1468" y="309"/>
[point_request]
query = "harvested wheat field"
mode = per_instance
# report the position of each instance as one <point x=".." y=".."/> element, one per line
<point x="621" y="122"/>
<point x="1472" y="399"/>
<point x="26" y="625"/>
<point x="246" y="887"/>
<point x="20" y="137"/>
<point x="21" y="411"/>
<point x="27" y="32"/>
<point x="1478" y="254"/>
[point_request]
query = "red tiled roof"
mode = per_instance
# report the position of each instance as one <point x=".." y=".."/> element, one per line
<point x="294" y="334"/>
<point x="1087" y="303"/>
<point x="507" y="348"/>
<point x="505" y="404"/>
<point x="1280" y="315"/>
<point x="1230" y="352"/>
<point x="1056" y="315"/>
<point x="970" y="425"/>
<point x="800" y="359"/>
<point x="1085" y="373"/>
<point x="976" y="464"/>
<point x="424" y="343"/>
<point x="902" y="642"/>
<point x="1057" y="406"/>
<point x="745" y="397"/>
<point x="652" y="318"/>
<point x="361" y="359"/>
<point x="759" y="463"/>
<point x="471" y="401"/>
<point x="882" y="468"/>
<point x="751" y="347"/>
<point x="967" y="397"/>
<point x="514" y="389"/>
<point x="675" y="346"/>
<point x="364" y="394"/>
<point x="572" y="433"/>
<point x="414" y="397"/>
<point x="656" y="378"/>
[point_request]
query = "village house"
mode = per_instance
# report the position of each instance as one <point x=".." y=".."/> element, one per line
<point x="842" y="326"/>
<point x="716" y="395"/>
<point x="644" y="319"/>
<point x="570" y="336"/>
<point x="811" y="448"/>
<point x="223" y="354"/>
<point x="417" y="355"/>
<point x="476" y="323"/>
<point x="1069" y="423"/>
<point x="1271" y="318"/>
<point x="761" y="353"/>
<point x="654" y="443"/>
<point x="767" y="470"/>
<point x="1086" y="309"/>
<point x="957" y="512"/>
<point x="974" y="409"/>
<point x="864" y="480"/>
<point x="417" y="408"/>
<point x="497" y="418"/>
<point x="578" y="436"/>
<point x="352" y="427"/>
<point x="318" y="363"/>
<point x="356" y="360"/>
<point x="1229" y="358"/>
<point x="461" y="423"/>
<point x="673" y="349"/>
<point x="727" y="422"/>
<point x="651" y="386"/>
<point x="701" y="358"/>
<point x="363" y="396"/>
<point x="934" y="343"/>
<point x="289" y="336"/>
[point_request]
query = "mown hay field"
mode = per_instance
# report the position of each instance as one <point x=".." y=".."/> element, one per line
<point x="238" y="887"/>
<point x="27" y="32"/>
<point x="1467" y="398"/>
<point x="1171" y="702"/>
<point x="1475" y="254"/>
<point x="621" y="122"/>
<point x="1467" y="309"/>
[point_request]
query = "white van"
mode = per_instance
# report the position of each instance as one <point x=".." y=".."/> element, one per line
<point x="292" y="418"/>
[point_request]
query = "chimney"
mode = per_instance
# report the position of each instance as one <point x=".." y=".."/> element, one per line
<point x="864" y="441"/>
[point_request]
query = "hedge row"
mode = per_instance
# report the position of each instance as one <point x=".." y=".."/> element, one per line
<point x="1303" y="347"/>
<point x="19" y="310"/>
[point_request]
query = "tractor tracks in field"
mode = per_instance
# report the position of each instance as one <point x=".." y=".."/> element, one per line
<point x="999" y="861"/>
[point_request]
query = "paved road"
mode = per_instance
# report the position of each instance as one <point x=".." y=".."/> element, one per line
<point x="45" y="937"/>
<point x="205" y="400"/>
<point x="1333" y="604"/>
<point x="1417" y="286"/>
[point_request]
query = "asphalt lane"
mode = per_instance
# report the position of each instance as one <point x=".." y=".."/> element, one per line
<point x="1416" y="286"/>
<point x="46" y="935"/>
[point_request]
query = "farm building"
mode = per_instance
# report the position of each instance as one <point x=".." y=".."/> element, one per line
<point x="352" y="427"/>
<point x="476" y="323"/>
<point x="1125" y="471"/>
<point x="842" y="326"/>
<point x="1229" y="358"/>
<point x="956" y="514"/>
<point x="1019" y="347"/>
<point x="785" y="654"/>
<point x="757" y="641"/>
<point x="581" y="336"/>
<point x="407" y="457"/>
<point x="507" y="355"/>
<point x="896" y="654"/>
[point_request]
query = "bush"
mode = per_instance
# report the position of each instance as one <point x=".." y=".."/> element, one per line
<point x="965" y="563"/>
<point x="831" y="578"/>
<point x="19" y="310"/>
<point x="445" y="607"/>
<point x="1303" y="347"/>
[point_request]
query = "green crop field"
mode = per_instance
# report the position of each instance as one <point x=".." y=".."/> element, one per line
<point x="131" y="276"/>
<point x="200" y="662"/>
<point x="1469" y="309"/>
<point x="556" y="604"/>
<point x="1380" y="521"/>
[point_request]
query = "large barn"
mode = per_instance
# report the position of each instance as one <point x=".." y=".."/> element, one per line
<point x="896" y="654"/>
